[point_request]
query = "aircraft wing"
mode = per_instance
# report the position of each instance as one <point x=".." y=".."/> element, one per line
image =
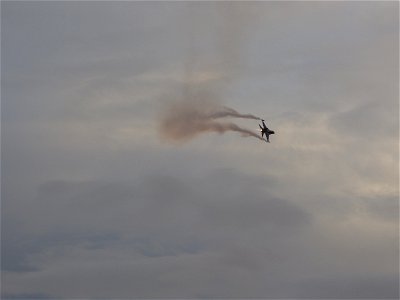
<point x="265" y="126"/>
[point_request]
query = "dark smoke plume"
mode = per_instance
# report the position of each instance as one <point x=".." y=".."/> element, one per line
<point x="183" y="121"/>
<point x="229" y="112"/>
<point x="196" y="107"/>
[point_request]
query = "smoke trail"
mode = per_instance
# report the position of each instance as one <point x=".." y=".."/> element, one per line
<point x="229" y="112"/>
<point x="196" y="107"/>
<point x="183" y="121"/>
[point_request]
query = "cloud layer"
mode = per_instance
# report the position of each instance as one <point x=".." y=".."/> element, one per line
<point x="95" y="204"/>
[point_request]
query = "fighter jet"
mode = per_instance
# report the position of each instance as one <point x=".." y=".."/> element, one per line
<point x="265" y="130"/>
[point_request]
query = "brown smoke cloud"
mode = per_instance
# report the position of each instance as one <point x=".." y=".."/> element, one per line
<point x="196" y="106"/>
<point x="184" y="120"/>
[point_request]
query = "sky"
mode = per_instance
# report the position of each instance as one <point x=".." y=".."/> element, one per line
<point x="97" y="202"/>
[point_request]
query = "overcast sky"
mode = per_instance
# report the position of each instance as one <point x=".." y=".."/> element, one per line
<point x="96" y="203"/>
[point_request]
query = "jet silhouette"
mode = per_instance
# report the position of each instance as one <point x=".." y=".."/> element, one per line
<point x="265" y="130"/>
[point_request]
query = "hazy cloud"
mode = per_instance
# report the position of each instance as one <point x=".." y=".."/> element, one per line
<point x="95" y="204"/>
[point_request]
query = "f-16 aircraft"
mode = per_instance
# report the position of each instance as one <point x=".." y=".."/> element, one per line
<point x="265" y="130"/>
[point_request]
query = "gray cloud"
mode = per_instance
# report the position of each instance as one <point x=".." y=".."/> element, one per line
<point x="27" y="296"/>
<point x="368" y="120"/>
<point x="199" y="234"/>
<point x="384" y="287"/>
<point x="159" y="219"/>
